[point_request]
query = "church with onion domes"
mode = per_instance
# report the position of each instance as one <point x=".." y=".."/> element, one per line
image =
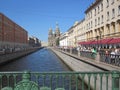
<point x="53" y="36"/>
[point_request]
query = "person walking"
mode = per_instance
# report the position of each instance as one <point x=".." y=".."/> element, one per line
<point x="112" y="54"/>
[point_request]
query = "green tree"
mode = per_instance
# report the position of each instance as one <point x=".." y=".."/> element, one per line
<point x="57" y="42"/>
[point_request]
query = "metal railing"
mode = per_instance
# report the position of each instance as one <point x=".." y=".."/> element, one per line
<point x="88" y="54"/>
<point x="109" y="58"/>
<point x="60" y="80"/>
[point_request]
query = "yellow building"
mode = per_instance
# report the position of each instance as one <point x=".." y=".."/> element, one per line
<point x="81" y="31"/>
<point x="103" y="19"/>
<point x="100" y="28"/>
<point x="72" y="35"/>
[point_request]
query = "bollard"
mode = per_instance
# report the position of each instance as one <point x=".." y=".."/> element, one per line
<point x="115" y="80"/>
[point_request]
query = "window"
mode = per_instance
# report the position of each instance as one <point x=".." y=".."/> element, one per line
<point x="91" y="14"/>
<point x="101" y="6"/>
<point x="98" y="20"/>
<point x="102" y="19"/>
<point x="98" y="9"/>
<point x="119" y="10"/>
<point x="95" y="22"/>
<point x="107" y="3"/>
<point x="91" y="24"/>
<point x="95" y="12"/>
<point x="107" y="16"/>
<point x="113" y="13"/>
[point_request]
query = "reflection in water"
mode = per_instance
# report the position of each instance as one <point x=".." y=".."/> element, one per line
<point x="42" y="61"/>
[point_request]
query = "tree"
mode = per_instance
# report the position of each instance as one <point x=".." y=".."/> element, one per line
<point x="57" y="42"/>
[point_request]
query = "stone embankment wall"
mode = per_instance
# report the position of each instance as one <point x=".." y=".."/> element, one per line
<point x="5" y="58"/>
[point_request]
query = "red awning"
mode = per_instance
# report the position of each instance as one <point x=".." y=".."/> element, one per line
<point x="86" y="42"/>
<point x="81" y="42"/>
<point x="102" y="41"/>
<point x="105" y="41"/>
<point x="114" y="41"/>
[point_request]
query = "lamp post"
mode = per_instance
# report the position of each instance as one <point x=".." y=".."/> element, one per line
<point x="97" y="37"/>
<point x="100" y="32"/>
<point x="75" y="41"/>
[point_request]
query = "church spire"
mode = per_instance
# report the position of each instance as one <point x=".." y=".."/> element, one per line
<point x="57" y="27"/>
<point x="57" y="31"/>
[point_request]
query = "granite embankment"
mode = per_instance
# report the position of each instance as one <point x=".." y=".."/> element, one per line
<point x="5" y="58"/>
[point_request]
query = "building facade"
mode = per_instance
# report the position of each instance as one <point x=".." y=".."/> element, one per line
<point x="11" y="34"/>
<point x="101" y="26"/>
<point x="81" y="36"/>
<point x="64" y="40"/>
<point x="34" y="42"/>
<point x="103" y="20"/>
<point x="53" y="37"/>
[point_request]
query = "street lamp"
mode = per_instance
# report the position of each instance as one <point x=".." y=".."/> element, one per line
<point x="97" y="37"/>
<point x="75" y="41"/>
<point x="100" y="32"/>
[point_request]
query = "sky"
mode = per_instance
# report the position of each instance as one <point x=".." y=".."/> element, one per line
<point x="38" y="16"/>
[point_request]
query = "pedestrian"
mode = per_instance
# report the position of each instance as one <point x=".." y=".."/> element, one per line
<point x="106" y="56"/>
<point x="112" y="54"/>
<point x="94" y="52"/>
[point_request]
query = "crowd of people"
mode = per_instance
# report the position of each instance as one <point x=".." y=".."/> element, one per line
<point x="110" y="55"/>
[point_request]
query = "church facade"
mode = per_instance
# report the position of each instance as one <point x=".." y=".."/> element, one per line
<point x="53" y="37"/>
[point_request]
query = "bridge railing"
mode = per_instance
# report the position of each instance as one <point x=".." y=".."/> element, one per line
<point x="60" y="80"/>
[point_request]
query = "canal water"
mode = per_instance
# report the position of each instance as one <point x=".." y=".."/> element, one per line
<point x="42" y="61"/>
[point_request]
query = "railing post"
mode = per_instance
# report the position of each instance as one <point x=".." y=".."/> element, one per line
<point x="115" y="80"/>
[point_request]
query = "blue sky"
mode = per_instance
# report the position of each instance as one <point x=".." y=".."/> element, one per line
<point x="37" y="16"/>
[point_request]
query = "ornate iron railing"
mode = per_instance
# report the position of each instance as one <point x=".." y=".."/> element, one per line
<point x="60" y="80"/>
